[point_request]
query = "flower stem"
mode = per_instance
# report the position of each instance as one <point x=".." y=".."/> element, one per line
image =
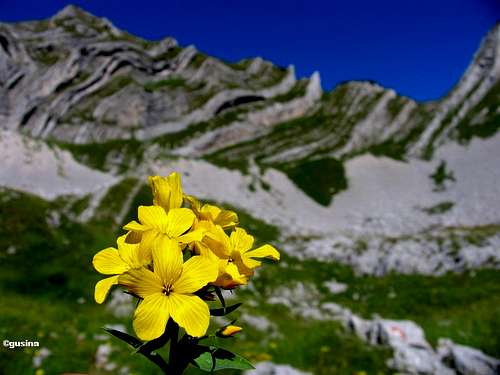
<point x="174" y="359"/>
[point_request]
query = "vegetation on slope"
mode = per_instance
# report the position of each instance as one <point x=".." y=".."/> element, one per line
<point x="320" y="179"/>
<point x="464" y="307"/>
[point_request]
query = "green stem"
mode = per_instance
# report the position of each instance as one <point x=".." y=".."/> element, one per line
<point x="174" y="360"/>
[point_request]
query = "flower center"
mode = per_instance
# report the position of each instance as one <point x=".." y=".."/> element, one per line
<point x="167" y="289"/>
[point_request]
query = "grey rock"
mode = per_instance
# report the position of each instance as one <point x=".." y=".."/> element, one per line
<point x="414" y="360"/>
<point x="398" y="333"/>
<point x="466" y="360"/>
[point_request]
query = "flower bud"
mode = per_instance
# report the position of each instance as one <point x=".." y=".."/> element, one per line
<point x="229" y="331"/>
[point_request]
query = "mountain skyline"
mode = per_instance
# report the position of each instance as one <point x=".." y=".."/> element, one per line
<point x="423" y="59"/>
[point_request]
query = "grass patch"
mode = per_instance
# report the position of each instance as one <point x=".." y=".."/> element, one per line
<point x="113" y="86"/>
<point x="47" y="55"/>
<point x="171" y="83"/>
<point x="112" y="203"/>
<point x="79" y="205"/>
<point x="484" y="120"/>
<point x="272" y="75"/>
<point x="169" y="54"/>
<point x="319" y="179"/>
<point x="197" y="60"/>
<point x="192" y="131"/>
<point x="200" y="100"/>
<point x="441" y="175"/>
<point x="239" y="65"/>
<point x="297" y="91"/>
<point x="439" y="208"/>
<point x="144" y="197"/>
<point x="395" y="105"/>
<point x="121" y="153"/>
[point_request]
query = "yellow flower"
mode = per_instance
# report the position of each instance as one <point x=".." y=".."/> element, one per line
<point x="229" y="331"/>
<point x="167" y="191"/>
<point x="234" y="255"/>
<point x="167" y="292"/>
<point x="155" y="224"/>
<point x="228" y="276"/>
<point x="214" y="214"/>
<point x="245" y="258"/>
<point x="111" y="261"/>
<point x="214" y="245"/>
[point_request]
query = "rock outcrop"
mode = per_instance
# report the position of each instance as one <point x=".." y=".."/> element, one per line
<point x="78" y="79"/>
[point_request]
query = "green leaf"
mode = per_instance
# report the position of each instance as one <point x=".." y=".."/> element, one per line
<point x="224" y="310"/>
<point x="131" y="340"/>
<point x="137" y="344"/>
<point x="157" y="343"/>
<point x="221" y="297"/>
<point x="212" y="359"/>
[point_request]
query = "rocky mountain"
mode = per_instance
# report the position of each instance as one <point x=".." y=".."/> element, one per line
<point x="387" y="195"/>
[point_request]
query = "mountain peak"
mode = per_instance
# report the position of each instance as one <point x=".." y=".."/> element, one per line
<point x="72" y="11"/>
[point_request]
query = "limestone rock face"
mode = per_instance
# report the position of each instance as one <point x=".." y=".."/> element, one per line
<point x="79" y="79"/>
<point x="76" y="78"/>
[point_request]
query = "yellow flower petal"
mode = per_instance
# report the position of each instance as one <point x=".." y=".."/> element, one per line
<point x="226" y="219"/>
<point x="108" y="262"/>
<point x="235" y="277"/>
<point x="148" y="239"/>
<point x="190" y="313"/>
<point x="167" y="191"/>
<point x="195" y="203"/>
<point x="134" y="226"/>
<point x="197" y="272"/>
<point x="241" y="241"/>
<point x="204" y="250"/>
<point x="176" y="196"/>
<point x="242" y="267"/>
<point x="102" y="288"/>
<point x="151" y="316"/>
<point x="129" y="252"/>
<point x="229" y="276"/>
<point x="218" y="241"/>
<point x="210" y="212"/>
<point x="167" y="260"/>
<point x="141" y="282"/>
<point x="133" y="237"/>
<point x="266" y="251"/>
<point x="194" y="235"/>
<point x="179" y="220"/>
<point x="152" y="217"/>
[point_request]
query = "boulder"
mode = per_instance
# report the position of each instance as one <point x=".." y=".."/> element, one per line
<point x="466" y="360"/>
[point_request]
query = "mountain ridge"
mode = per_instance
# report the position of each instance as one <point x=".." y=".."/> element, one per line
<point x="82" y="107"/>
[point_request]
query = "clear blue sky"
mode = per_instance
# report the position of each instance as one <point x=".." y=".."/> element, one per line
<point x="420" y="48"/>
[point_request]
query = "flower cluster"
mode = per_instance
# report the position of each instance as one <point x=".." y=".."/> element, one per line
<point x="174" y="256"/>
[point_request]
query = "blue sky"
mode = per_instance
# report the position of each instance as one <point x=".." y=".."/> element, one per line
<point x="419" y="48"/>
